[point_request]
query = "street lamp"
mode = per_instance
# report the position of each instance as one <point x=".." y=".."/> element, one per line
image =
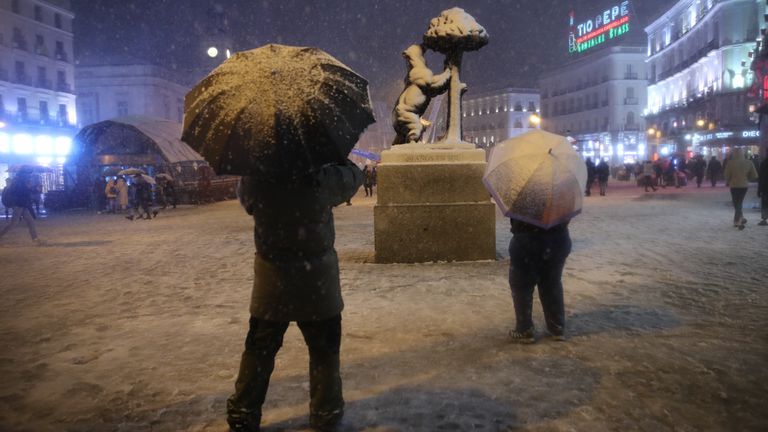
<point x="213" y="52"/>
<point x="535" y="120"/>
<point x="700" y="123"/>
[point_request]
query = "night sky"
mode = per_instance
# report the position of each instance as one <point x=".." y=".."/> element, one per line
<point x="527" y="36"/>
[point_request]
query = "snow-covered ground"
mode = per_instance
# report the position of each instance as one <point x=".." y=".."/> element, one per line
<point x="138" y="326"/>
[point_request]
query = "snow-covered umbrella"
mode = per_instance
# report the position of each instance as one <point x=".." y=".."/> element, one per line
<point x="131" y="171"/>
<point x="537" y="178"/>
<point x="277" y="110"/>
<point x="144" y="178"/>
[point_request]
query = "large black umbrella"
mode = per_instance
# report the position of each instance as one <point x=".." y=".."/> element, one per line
<point x="277" y="110"/>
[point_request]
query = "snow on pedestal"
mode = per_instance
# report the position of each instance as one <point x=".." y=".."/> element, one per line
<point x="432" y="205"/>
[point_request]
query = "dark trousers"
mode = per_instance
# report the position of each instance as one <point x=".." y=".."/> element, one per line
<point x="323" y="339"/>
<point x="647" y="181"/>
<point x="538" y="259"/>
<point x="737" y="196"/>
<point x="764" y="206"/>
<point x="588" y="191"/>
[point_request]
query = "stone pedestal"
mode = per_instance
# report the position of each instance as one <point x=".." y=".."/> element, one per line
<point x="432" y="205"/>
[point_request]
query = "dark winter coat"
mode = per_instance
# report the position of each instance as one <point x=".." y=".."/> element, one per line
<point x="296" y="270"/>
<point x="19" y="193"/>
<point x="714" y="168"/>
<point x="602" y="171"/>
<point x="590" y="171"/>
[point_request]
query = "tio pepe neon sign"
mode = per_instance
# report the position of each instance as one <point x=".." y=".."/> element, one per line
<point x="609" y="24"/>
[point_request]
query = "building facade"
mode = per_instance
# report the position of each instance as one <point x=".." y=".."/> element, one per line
<point x="494" y="116"/>
<point x="598" y="100"/>
<point x="117" y="90"/>
<point x="698" y="64"/>
<point x="37" y="96"/>
<point x="488" y="117"/>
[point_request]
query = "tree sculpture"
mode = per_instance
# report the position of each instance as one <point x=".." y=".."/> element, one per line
<point x="452" y="33"/>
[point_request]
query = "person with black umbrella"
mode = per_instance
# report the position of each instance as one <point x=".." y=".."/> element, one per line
<point x="285" y="118"/>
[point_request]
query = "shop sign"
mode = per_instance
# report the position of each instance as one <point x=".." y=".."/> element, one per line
<point x="606" y="25"/>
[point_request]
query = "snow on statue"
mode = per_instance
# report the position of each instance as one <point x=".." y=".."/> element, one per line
<point x="452" y="33"/>
<point x="421" y="85"/>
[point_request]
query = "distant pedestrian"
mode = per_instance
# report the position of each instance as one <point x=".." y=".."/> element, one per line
<point x="19" y="199"/>
<point x="738" y="173"/>
<point x="169" y="193"/>
<point x="122" y="194"/>
<point x="714" y="168"/>
<point x="590" y="176"/>
<point x="602" y="172"/>
<point x="698" y="167"/>
<point x="111" y="191"/>
<point x="762" y="192"/>
<point x="648" y="175"/>
<point x="368" y="180"/>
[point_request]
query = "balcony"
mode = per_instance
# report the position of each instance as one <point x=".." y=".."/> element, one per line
<point x="631" y="127"/>
<point x="631" y="101"/>
<point x="19" y="43"/>
<point x="64" y="87"/>
<point x="61" y="56"/>
<point x="44" y="83"/>
<point x="22" y="79"/>
<point x="41" y="50"/>
<point x="631" y="76"/>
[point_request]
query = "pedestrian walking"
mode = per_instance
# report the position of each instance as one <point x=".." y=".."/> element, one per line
<point x="602" y="172"/>
<point x="590" y="176"/>
<point x="698" y="168"/>
<point x="648" y="175"/>
<point x="296" y="279"/>
<point x="169" y="192"/>
<point x="762" y="192"/>
<point x="738" y="173"/>
<point x="714" y="168"/>
<point x="18" y="197"/>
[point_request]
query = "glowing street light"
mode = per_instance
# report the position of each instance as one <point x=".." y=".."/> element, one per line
<point x="534" y="119"/>
<point x="213" y="52"/>
<point x="700" y="122"/>
<point x="651" y="131"/>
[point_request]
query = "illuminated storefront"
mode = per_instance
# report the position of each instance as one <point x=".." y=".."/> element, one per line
<point x="698" y="62"/>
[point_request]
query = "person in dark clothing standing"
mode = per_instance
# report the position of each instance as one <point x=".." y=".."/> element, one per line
<point x="602" y="172"/>
<point x="368" y="182"/>
<point x="714" y="168"/>
<point x="537" y="258"/>
<point x="762" y="191"/>
<point x="169" y="194"/>
<point x="698" y="166"/>
<point x="296" y="278"/>
<point x="590" y="176"/>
